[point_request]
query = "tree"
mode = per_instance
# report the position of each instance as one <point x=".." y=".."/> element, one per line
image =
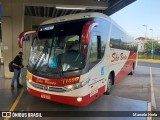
<point x="148" y="47"/>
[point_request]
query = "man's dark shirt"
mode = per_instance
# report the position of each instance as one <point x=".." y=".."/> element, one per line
<point x="18" y="61"/>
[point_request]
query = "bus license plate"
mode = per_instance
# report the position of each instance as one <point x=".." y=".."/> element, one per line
<point x="45" y="96"/>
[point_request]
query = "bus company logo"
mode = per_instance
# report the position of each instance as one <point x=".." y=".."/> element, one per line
<point x="38" y="80"/>
<point x="47" y="82"/>
<point x="45" y="87"/>
<point x="123" y="57"/>
<point x="117" y="57"/>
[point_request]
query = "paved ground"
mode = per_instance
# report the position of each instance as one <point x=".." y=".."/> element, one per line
<point x="138" y="86"/>
<point x="147" y="64"/>
<point x="156" y="80"/>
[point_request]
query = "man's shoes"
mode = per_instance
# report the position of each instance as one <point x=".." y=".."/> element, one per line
<point x="19" y="86"/>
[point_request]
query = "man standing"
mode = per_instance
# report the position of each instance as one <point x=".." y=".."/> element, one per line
<point x="17" y="70"/>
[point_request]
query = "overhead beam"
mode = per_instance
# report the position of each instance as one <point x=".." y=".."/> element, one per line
<point x="116" y="5"/>
<point x="88" y="4"/>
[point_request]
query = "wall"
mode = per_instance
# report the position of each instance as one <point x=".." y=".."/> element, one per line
<point x="12" y="25"/>
<point x="1" y="56"/>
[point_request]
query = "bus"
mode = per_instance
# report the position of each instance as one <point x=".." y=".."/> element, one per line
<point x="75" y="59"/>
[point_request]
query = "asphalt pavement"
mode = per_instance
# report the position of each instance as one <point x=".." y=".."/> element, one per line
<point x="138" y="86"/>
<point x="147" y="64"/>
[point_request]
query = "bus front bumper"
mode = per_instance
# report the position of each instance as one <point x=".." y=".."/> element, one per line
<point x="75" y="101"/>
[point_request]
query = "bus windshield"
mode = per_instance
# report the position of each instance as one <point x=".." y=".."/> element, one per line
<point x="57" y="49"/>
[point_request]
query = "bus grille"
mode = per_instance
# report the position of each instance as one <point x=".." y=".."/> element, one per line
<point x="50" y="88"/>
<point x="37" y="85"/>
<point x="56" y="89"/>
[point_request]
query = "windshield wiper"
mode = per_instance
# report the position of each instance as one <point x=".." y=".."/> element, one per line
<point x="53" y="46"/>
<point x="60" y="67"/>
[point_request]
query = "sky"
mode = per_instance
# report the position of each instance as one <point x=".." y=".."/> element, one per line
<point x="139" y="13"/>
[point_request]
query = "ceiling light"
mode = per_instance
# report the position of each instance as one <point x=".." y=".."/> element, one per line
<point x="71" y="8"/>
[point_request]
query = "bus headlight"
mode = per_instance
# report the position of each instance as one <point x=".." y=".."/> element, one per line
<point x="69" y="87"/>
<point x="76" y="86"/>
<point x="79" y="99"/>
<point x="30" y="80"/>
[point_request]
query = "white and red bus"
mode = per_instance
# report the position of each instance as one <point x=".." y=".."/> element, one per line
<point x="75" y="59"/>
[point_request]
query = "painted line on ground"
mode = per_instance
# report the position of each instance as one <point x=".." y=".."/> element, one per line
<point x="149" y="110"/>
<point x="152" y="91"/>
<point x="15" y="104"/>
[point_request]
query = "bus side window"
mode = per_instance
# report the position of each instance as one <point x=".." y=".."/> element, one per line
<point x="95" y="51"/>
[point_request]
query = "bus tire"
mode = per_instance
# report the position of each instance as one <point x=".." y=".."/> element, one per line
<point x="132" y="71"/>
<point x="109" y="85"/>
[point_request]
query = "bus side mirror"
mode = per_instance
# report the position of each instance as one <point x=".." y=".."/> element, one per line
<point x="23" y="36"/>
<point x="86" y="31"/>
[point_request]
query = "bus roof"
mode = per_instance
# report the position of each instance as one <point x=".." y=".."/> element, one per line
<point x="74" y="17"/>
<point x="81" y="16"/>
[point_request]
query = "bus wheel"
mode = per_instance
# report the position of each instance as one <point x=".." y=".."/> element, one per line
<point x="109" y="85"/>
<point x="132" y="71"/>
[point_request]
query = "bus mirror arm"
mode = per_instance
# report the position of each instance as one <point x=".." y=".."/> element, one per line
<point x="22" y="35"/>
<point x="86" y="31"/>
